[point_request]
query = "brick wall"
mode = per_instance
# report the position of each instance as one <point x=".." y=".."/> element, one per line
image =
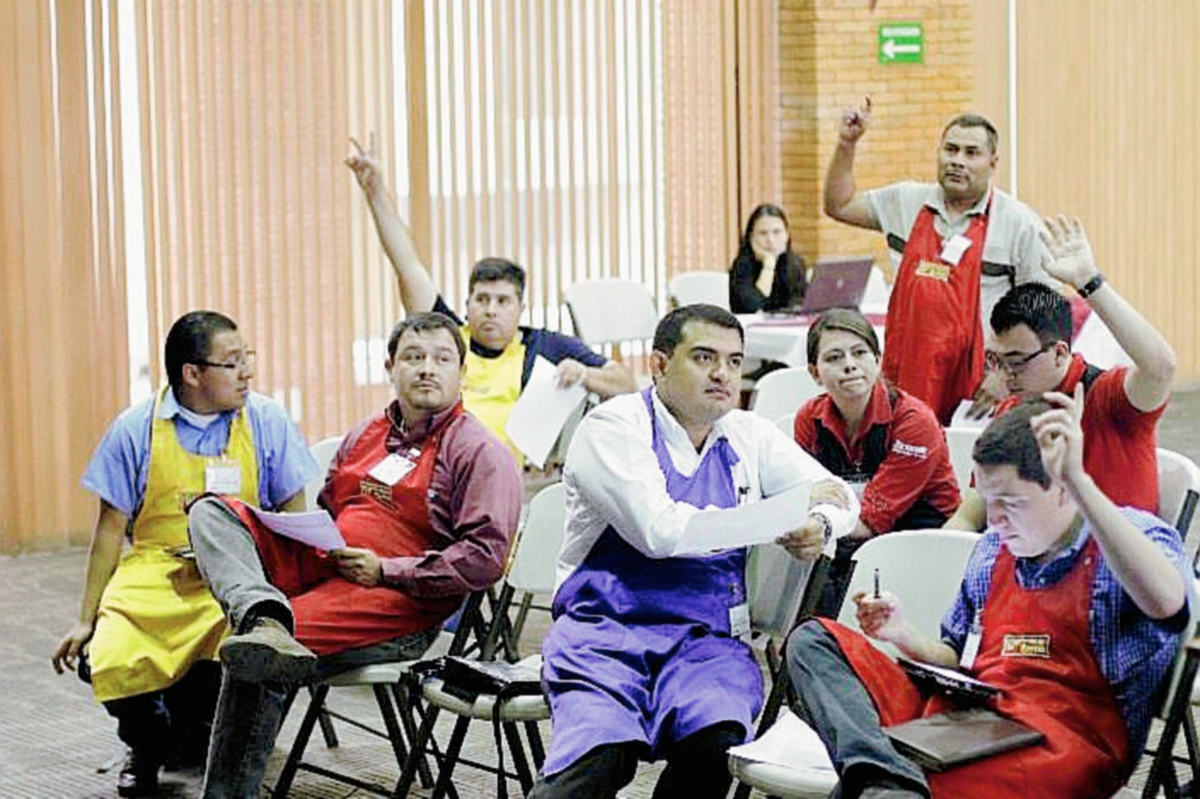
<point x="828" y="61"/>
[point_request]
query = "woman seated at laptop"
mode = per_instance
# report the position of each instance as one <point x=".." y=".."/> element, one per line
<point x="887" y="444"/>
<point x="766" y="275"/>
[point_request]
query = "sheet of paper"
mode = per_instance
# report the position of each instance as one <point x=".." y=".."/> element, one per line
<point x="315" y="528"/>
<point x="961" y="420"/>
<point x="753" y="523"/>
<point x="541" y="411"/>
<point x="790" y="743"/>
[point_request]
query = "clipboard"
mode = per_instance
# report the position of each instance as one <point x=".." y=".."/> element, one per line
<point x="956" y="737"/>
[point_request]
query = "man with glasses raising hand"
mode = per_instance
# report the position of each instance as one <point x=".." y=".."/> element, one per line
<point x="147" y="623"/>
<point x="1031" y="350"/>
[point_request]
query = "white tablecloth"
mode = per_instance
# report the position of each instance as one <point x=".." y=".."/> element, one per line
<point x="785" y="339"/>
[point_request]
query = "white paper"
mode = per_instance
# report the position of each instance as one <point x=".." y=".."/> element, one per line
<point x="315" y="528"/>
<point x="540" y="412"/>
<point x="953" y="249"/>
<point x="759" y="522"/>
<point x="789" y="743"/>
<point x="962" y="421"/>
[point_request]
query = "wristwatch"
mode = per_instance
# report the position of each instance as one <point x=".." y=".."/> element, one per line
<point x="826" y="525"/>
<point x="1091" y="287"/>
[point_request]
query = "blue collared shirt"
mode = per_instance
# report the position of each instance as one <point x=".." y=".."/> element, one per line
<point x="1133" y="651"/>
<point x="120" y="465"/>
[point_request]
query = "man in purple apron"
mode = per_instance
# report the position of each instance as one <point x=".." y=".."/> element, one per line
<point x="643" y="660"/>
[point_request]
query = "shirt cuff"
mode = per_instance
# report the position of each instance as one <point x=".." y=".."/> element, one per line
<point x="398" y="572"/>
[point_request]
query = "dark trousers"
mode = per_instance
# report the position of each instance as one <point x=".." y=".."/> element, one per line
<point x="697" y="767"/>
<point x="837" y="705"/>
<point x="172" y="724"/>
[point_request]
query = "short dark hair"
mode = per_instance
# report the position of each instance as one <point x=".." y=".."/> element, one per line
<point x="1046" y="312"/>
<point x="1009" y="440"/>
<point x="975" y="121"/>
<point x="766" y="209"/>
<point x="190" y="341"/>
<point x="490" y="269"/>
<point x="846" y="319"/>
<point x="669" y="332"/>
<point x="427" y="322"/>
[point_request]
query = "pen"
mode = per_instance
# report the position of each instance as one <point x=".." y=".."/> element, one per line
<point x="877" y="583"/>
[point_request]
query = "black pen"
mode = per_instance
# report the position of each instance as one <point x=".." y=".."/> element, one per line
<point x="877" y="583"/>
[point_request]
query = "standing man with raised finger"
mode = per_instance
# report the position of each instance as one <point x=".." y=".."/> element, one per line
<point x="957" y="246"/>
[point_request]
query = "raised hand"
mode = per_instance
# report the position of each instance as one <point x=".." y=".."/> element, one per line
<point x="1059" y="435"/>
<point x="1066" y="240"/>
<point x="364" y="163"/>
<point x="854" y="122"/>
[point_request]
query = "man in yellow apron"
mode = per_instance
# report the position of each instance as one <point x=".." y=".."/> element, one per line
<point x="148" y="623"/>
<point x="500" y="352"/>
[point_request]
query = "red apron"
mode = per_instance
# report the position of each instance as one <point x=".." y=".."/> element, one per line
<point x="1036" y="648"/>
<point x="933" y="345"/>
<point x="333" y="614"/>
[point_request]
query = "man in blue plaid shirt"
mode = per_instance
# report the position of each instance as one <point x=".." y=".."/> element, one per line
<point x="1071" y="605"/>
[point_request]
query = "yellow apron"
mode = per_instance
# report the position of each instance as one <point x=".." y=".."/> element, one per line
<point x="492" y="386"/>
<point x="156" y="616"/>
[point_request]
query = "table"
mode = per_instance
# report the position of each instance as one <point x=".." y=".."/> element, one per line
<point x="785" y="338"/>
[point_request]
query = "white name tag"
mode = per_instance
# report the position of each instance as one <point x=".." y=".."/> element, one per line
<point x="391" y="470"/>
<point x="970" y="648"/>
<point x="953" y="249"/>
<point x="739" y="620"/>
<point x="223" y="478"/>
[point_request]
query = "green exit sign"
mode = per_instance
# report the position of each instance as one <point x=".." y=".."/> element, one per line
<point x="901" y="43"/>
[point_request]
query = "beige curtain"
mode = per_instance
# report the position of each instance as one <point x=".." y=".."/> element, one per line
<point x="63" y="362"/>
<point x="721" y="90"/>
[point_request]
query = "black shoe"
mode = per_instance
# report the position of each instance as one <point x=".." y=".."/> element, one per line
<point x="139" y="775"/>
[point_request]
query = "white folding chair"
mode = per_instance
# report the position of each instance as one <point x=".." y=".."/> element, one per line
<point x="1178" y="491"/>
<point x="322" y="452"/>
<point x="611" y="311"/>
<point x="787" y="424"/>
<point x="783" y="391"/>
<point x="961" y="441"/>
<point x="924" y="568"/>
<point x="708" y="287"/>
<point x="531" y="569"/>
<point x="878" y="292"/>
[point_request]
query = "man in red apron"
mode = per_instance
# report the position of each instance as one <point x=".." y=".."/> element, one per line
<point x="426" y="500"/>
<point x="1031" y="349"/>
<point x="956" y="246"/>
<point x="1072" y="606"/>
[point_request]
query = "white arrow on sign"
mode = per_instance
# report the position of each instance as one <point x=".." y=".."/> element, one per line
<point x="891" y="49"/>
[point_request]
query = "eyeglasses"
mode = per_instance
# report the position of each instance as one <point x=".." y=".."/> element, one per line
<point x="238" y="362"/>
<point x="1017" y="364"/>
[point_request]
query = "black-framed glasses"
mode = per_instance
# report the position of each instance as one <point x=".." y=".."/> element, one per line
<point x="1015" y="364"/>
<point x="239" y="362"/>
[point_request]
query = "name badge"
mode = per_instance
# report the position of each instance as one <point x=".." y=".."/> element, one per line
<point x="739" y="620"/>
<point x="1026" y="646"/>
<point x="954" y="248"/>
<point x="391" y="470"/>
<point x="223" y="478"/>
<point x="934" y="270"/>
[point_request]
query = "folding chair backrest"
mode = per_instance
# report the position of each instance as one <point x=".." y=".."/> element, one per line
<point x="703" y="286"/>
<point x="322" y="452"/>
<point x="961" y="441"/>
<point x="923" y="568"/>
<point x="787" y="424"/>
<point x="611" y="311"/>
<point x="1178" y="490"/>
<point x="535" y="552"/>
<point x="783" y="391"/>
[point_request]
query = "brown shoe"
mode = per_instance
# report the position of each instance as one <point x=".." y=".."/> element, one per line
<point x="267" y="653"/>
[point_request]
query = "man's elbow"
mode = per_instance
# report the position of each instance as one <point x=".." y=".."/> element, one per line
<point x="1162" y="368"/>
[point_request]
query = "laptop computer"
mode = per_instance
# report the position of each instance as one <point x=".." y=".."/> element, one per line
<point x="836" y="283"/>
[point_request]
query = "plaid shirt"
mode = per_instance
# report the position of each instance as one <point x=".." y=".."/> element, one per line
<point x="1134" y="652"/>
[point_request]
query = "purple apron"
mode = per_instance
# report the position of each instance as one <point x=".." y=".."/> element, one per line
<point x="640" y="647"/>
